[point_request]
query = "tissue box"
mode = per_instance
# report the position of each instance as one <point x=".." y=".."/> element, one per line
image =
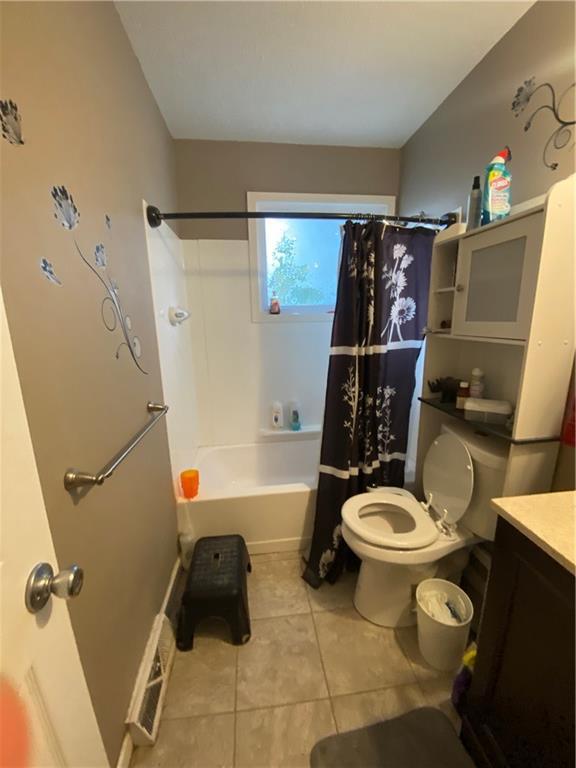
<point x="490" y="411"/>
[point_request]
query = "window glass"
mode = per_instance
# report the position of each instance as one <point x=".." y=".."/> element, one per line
<point x="302" y="261"/>
<point x="297" y="260"/>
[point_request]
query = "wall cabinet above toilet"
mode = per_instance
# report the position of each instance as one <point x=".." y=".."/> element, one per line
<point x="502" y="299"/>
<point x="496" y="277"/>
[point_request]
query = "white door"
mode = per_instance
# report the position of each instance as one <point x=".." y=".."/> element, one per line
<point x="45" y="707"/>
<point x="497" y="272"/>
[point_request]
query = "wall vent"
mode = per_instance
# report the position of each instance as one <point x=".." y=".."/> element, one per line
<point x="148" y="698"/>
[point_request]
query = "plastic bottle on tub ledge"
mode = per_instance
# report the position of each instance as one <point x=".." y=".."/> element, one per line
<point x="294" y="411"/>
<point x="277" y="415"/>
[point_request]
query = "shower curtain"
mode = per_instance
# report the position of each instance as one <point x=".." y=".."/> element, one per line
<point x="380" y="314"/>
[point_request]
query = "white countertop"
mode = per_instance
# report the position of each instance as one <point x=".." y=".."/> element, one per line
<point x="547" y="519"/>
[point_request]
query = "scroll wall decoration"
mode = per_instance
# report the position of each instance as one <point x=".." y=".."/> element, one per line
<point x="562" y="134"/>
<point x="67" y="215"/>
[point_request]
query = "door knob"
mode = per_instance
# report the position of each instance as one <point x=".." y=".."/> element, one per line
<point x="42" y="583"/>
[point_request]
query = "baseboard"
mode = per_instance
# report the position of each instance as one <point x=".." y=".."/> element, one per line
<point x="170" y="585"/>
<point x="126" y="751"/>
<point x="279" y="545"/>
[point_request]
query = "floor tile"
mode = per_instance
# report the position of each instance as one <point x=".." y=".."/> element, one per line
<point x="276" y="589"/>
<point x="282" y="736"/>
<point x="330" y="596"/>
<point x="438" y="693"/>
<point x="203" y="680"/>
<point x="359" y="709"/>
<point x="281" y="664"/>
<point x="357" y="655"/>
<point x="408" y="639"/>
<point x="196" y="742"/>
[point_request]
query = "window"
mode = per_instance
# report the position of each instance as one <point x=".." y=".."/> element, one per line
<point x="297" y="259"/>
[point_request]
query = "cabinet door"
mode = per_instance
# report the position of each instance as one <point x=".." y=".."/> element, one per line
<point x="497" y="274"/>
<point x="520" y="708"/>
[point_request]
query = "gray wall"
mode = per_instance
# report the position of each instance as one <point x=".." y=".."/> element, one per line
<point x="215" y="175"/>
<point x="90" y="123"/>
<point x="476" y="120"/>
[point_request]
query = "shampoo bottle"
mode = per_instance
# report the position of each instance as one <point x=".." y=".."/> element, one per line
<point x="497" y="188"/>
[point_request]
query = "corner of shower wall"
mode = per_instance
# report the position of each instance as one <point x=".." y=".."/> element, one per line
<point x="176" y="346"/>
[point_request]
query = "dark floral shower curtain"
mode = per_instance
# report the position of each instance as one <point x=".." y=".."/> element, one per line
<point x="380" y="314"/>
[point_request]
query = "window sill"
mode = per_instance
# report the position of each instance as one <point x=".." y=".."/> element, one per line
<point x="293" y="317"/>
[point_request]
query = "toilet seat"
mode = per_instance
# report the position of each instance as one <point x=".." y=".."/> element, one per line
<point x="448" y="478"/>
<point x="373" y="517"/>
<point x="392" y="518"/>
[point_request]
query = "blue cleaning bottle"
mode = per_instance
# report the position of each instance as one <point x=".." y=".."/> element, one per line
<point x="496" y="196"/>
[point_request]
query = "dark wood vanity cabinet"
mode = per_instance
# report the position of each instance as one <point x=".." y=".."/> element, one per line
<point x="520" y="707"/>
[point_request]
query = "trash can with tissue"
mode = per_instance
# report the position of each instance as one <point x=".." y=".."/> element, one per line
<point x="444" y="615"/>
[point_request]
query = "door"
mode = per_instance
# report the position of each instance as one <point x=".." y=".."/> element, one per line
<point x="46" y="710"/>
<point x="496" y="278"/>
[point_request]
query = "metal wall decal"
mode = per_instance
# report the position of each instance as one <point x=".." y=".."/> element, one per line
<point x="10" y="121"/>
<point x="562" y="133"/>
<point x="48" y="272"/>
<point x="113" y="315"/>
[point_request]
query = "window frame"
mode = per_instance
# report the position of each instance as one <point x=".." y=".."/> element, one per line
<point x="291" y="201"/>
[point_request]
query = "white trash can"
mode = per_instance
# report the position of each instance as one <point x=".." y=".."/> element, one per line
<point x="444" y="615"/>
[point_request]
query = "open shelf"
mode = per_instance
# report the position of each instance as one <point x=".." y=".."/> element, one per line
<point x="497" y="430"/>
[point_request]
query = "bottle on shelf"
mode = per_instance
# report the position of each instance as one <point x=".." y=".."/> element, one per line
<point x="477" y="383"/>
<point x="474" y="205"/>
<point x="463" y="394"/>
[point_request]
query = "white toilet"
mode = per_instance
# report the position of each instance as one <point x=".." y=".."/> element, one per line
<point x="402" y="541"/>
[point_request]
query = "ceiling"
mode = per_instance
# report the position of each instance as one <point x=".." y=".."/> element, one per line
<point x="341" y="73"/>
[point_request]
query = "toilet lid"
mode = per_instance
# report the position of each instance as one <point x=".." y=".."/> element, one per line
<point x="448" y="477"/>
<point x="389" y="519"/>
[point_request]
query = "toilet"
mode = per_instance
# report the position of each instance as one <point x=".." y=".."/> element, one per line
<point x="402" y="541"/>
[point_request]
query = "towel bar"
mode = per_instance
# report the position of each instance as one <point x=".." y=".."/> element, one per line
<point x="74" y="478"/>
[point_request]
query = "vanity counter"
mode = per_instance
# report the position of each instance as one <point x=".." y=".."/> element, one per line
<point x="547" y="519"/>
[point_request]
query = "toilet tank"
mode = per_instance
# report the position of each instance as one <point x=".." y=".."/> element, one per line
<point x="490" y="456"/>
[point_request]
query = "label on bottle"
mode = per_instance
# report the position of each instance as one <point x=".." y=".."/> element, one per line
<point x="499" y="195"/>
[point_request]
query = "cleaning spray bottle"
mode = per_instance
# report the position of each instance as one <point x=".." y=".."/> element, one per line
<point x="497" y="188"/>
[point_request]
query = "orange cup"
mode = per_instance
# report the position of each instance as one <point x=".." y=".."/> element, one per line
<point x="189" y="480"/>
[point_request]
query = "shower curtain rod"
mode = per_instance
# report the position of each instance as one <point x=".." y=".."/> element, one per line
<point x="155" y="217"/>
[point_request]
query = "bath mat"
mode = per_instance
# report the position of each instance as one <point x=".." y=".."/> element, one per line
<point x="422" y="738"/>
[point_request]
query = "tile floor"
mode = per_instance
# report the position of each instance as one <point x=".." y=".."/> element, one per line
<point x="313" y="667"/>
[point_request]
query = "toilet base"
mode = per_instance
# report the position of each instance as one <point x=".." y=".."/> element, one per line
<point x="385" y="592"/>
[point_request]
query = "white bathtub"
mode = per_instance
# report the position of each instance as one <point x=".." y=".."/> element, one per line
<point x="265" y="491"/>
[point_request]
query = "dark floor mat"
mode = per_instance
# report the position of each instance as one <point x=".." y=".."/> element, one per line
<point x="423" y="738"/>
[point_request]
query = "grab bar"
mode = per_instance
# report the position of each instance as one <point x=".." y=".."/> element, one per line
<point x="74" y="478"/>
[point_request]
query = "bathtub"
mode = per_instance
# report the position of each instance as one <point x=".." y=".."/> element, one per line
<point x="264" y="491"/>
